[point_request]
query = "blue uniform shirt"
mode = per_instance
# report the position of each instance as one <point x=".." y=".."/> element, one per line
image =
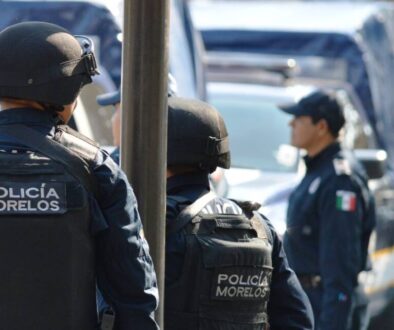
<point x="329" y="222"/>
<point x="288" y="307"/>
<point x="125" y="273"/>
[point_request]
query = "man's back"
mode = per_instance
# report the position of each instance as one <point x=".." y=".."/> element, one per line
<point x="46" y="248"/>
<point x="253" y="304"/>
<point x="66" y="250"/>
<point x="91" y="230"/>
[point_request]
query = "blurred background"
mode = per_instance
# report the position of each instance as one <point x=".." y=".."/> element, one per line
<point x="246" y="57"/>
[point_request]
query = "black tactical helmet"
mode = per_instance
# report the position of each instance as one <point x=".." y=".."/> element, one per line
<point x="197" y="135"/>
<point x="43" y="62"/>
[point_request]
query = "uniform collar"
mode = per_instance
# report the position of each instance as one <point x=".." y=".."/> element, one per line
<point x="28" y="116"/>
<point x="324" y="155"/>
<point x="180" y="182"/>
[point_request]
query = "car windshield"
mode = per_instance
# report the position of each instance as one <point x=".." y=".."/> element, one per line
<point x="258" y="131"/>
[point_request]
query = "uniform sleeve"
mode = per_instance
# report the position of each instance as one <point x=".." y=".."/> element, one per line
<point x="288" y="307"/>
<point x="175" y="242"/>
<point x="125" y="273"/>
<point x="340" y="256"/>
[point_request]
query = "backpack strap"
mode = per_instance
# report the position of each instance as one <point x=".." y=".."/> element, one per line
<point x="76" y="165"/>
<point x="189" y="212"/>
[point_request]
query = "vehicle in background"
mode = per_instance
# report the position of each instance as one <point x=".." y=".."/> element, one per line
<point x="356" y="47"/>
<point x="186" y="48"/>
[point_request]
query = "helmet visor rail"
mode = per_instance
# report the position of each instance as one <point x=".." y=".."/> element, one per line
<point x="88" y="58"/>
<point x="86" y="44"/>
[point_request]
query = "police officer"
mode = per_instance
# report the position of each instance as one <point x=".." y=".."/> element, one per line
<point x="68" y="216"/>
<point x="225" y="265"/>
<point x="330" y="216"/>
<point x="113" y="98"/>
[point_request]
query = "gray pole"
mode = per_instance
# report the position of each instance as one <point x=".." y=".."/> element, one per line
<point x="144" y="119"/>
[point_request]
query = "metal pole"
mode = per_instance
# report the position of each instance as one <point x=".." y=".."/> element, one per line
<point x="144" y="119"/>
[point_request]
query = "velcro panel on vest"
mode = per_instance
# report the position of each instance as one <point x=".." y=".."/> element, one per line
<point x="46" y="250"/>
<point x="236" y="277"/>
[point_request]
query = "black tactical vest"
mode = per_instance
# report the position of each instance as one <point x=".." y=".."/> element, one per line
<point x="47" y="274"/>
<point x="225" y="282"/>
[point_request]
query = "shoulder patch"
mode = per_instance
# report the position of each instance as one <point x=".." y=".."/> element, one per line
<point x="346" y="200"/>
<point x="342" y="166"/>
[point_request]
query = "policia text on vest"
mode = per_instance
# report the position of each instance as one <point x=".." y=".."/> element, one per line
<point x="32" y="198"/>
<point x="243" y="286"/>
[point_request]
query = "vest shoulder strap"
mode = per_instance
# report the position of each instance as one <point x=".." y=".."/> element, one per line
<point x="189" y="213"/>
<point x="83" y="146"/>
<point x="257" y="221"/>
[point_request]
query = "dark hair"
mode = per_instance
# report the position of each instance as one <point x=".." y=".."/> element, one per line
<point x="334" y="129"/>
<point x="332" y="112"/>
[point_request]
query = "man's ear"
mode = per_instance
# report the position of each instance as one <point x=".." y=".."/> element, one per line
<point x="67" y="112"/>
<point x="322" y="126"/>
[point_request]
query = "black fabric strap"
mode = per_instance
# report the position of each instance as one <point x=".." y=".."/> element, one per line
<point x="77" y="166"/>
<point x="189" y="213"/>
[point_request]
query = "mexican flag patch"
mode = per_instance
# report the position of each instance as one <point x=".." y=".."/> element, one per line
<point x="346" y="200"/>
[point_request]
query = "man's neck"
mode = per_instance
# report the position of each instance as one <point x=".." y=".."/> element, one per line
<point x="15" y="104"/>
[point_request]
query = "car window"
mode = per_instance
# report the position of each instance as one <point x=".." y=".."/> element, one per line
<point x="259" y="133"/>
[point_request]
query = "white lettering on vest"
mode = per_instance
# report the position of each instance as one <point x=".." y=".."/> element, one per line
<point x="22" y="197"/>
<point x="52" y="193"/>
<point x="3" y="192"/>
<point x="222" y="277"/>
<point x="246" y="286"/>
<point x="30" y="194"/>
